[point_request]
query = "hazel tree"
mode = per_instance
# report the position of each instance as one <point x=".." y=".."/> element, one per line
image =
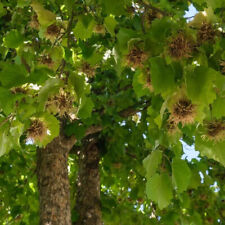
<point x="99" y="100"/>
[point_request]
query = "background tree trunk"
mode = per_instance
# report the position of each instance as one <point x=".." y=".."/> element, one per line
<point x="53" y="183"/>
<point x="88" y="203"/>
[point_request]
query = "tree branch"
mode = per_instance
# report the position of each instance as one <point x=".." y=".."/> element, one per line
<point x="132" y="111"/>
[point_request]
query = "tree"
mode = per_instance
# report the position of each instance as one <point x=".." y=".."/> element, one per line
<point x="98" y="98"/>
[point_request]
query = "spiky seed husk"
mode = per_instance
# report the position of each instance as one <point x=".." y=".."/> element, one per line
<point x="47" y="60"/>
<point x="206" y="33"/>
<point x="61" y="103"/>
<point x="171" y="126"/>
<point x="151" y="15"/>
<point x="52" y="32"/>
<point x="136" y="57"/>
<point x="183" y="111"/>
<point x="215" y="130"/>
<point x="99" y="29"/>
<point x="34" y="23"/>
<point x="88" y="69"/>
<point x="180" y="47"/>
<point x="37" y="130"/>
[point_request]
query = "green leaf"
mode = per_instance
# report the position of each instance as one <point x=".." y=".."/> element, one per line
<point x="78" y="83"/>
<point x="75" y="129"/>
<point x="45" y="17"/>
<point x="151" y="163"/>
<point x="123" y="36"/>
<point x="2" y="10"/>
<point x="13" y="39"/>
<point x="85" y="108"/>
<point x="114" y="7"/>
<point x="138" y="84"/>
<point x="39" y="76"/>
<point x="181" y="174"/>
<point x="12" y="75"/>
<point x="216" y="3"/>
<point x="159" y="29"/>
<point x="162" y="76"/>
<point x="53" y="127"/>
<point x="5" y="142"/>
<point x="159" y="189"/>
<point x="7" y="100"/>
<point x="51" y="86"/>
<point x="110" y="24"/>
<point x="84" y="27"/>
<point x="16" y="130"/>
<point x="218" y="108"/>
<point x="210" y="148"/>
<point x="195" y="180"/>
<point x="199" y="83"/>
<point x="23" y="3"/>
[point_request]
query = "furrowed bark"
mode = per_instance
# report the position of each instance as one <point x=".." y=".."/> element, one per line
<point x="88" y="203"/>
<point x="53" y="182"/>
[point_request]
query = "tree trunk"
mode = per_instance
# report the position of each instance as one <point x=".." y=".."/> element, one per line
<point x="88" y="203"/>
<point x="53" y="183"/>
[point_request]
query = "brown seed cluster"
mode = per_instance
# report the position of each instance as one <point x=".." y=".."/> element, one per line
<point x="47" y="60"/>
<point x="37" y="130"/>
<point x="52" y="32"/>
<point x="148" y="83"/>
<point x="99" y="29"/>
<point x="222" y="64"/>
<point x="171" y="126"/>
<point x="206" y="33"/>
<point x="19" y="90"/>
<point x="34" y="24"/>
<point x="88" y="69"/>
<point x="151" y="15"/>
<point x="130" y="9"/>
<point x="215" y="130"/>
<point x="183" y="111"/>
<point x="136" y="57"/>
<point x="61" y="103"/>
<point x="180" y="47"/>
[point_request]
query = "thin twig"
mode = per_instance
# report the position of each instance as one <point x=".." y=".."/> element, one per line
<point x="6" y="120"/>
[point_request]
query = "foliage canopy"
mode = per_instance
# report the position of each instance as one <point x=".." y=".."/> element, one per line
<point x="140" y="70"/>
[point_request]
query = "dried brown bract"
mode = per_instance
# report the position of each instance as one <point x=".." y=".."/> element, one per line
<point x="183" y="111"/>
<point x="215" y="130"/>
<point x="88" y="69"/>
<point x="180" y="47"/>
<point x="206" y="33"/>
<point x="34" y="24"/>
<point x="136" y="57"/>
<point x="37" y="130"/>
